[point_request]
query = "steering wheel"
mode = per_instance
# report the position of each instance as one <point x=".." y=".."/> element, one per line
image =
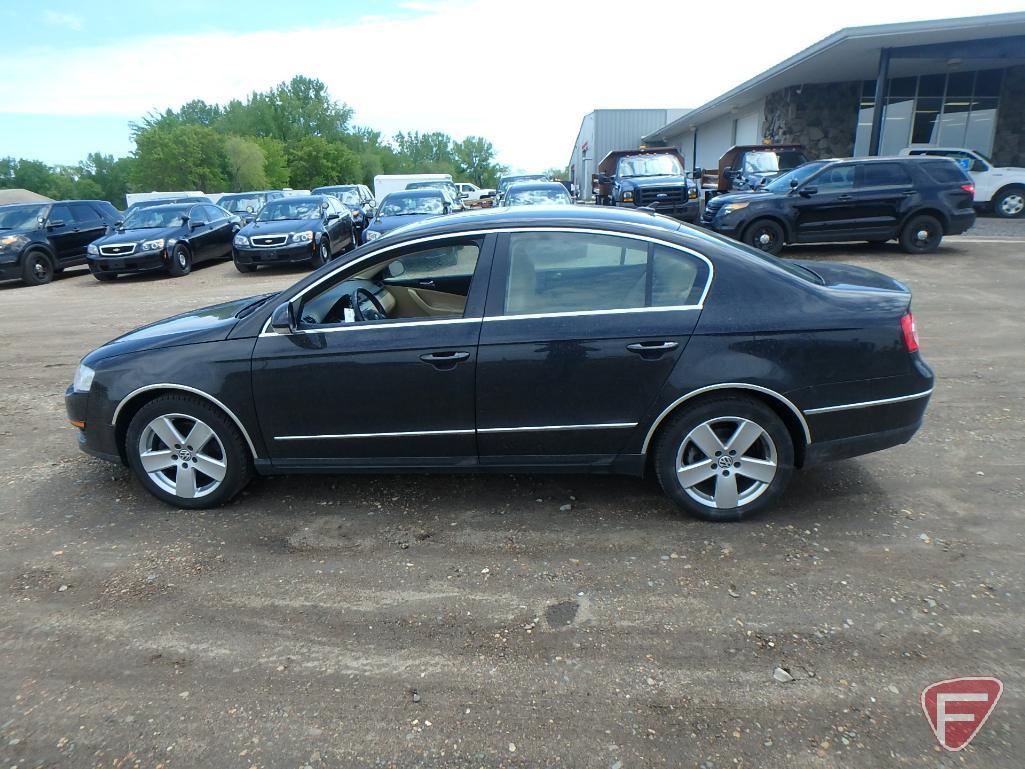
<point x="377" y="313"/>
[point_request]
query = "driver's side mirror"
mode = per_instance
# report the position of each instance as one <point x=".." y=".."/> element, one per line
<point x="282" y="321"/>
<point x="396" y="269"/>
<point x="604" y="179"/>
<point x="697" y="173"/>
<point x="794" y="183"/>
<point x="727" y="173"/>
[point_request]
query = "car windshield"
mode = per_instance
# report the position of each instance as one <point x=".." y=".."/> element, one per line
<point x="286" y="209"/>
<point x="20" y="217"/>
<point x="146" y="218"/>
<point x="650" y="165"/>
<point x="784" y="182"/>
<point x="538" y="197"/>
<point x="412" y="205"/>
<point x="348" y="197"/>
<point x="241" y="204"/>
<point x="506" y="183"/>
<point x="766" y="162"/>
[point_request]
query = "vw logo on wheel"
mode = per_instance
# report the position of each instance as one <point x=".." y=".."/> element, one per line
<point x="725" y="462"/>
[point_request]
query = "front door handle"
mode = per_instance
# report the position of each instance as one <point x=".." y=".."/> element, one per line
<point x="844" y="198"/>
<point x="444" y="360"/>
<point x="651" y="348"/>
<point x="426" y="283"/>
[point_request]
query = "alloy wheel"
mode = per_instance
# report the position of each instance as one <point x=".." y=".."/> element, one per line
<point x="1012" y="204"/>
<point x="182" y="455"/>
<point x="726" y="462"/>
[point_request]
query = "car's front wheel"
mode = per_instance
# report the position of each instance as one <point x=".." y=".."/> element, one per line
<point x="186" y="452"/>
<point x="37" y="269"/>
<point x="921" y="234"/>
<point x="1010" y="203"/>
<point x="101" y="276"/>
<point x="765" y="235"/>
<point x="323" y="254"/>
<point x="243" y="267"/>
<point x="724" y="459"/>
<point x="181" y="262"/>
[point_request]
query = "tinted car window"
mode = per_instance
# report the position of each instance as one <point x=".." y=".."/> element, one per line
<point x="884" y="174"/>
<point x="567" y="272"/>
<point x="83" y="212"/>
<point x="944" y="172"/>
<point x="214" y="214"/>
<point x="61" y="213"/>
<point x="835" y="178"/>
<point x="676" y="278"/>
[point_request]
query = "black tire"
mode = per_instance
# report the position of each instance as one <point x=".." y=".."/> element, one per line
<point x="37" y="268"/>
<point x="921" y="234"/>
<point x="181" y="262"/>
<point x="243" y="267"/>
<point x="226" y="445"/>
<point x="323" y="254"/>
<point x="103" y="277"/>
<point x="1010" y="203"/>
<point x="766" y="235"/>
<point x="722" y="416"/>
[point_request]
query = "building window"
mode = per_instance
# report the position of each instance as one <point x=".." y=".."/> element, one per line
<point x="956" y="110"/>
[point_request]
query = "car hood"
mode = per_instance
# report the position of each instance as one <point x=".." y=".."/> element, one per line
<point x="639" y="182"/>
<point x="277" y="228"/>
<point x="848" y="276"/>
<point x="207" y="324"/>
<point x="389" y="223"/>
<point x="137" y="236"/>
<point x="737" y="197"/>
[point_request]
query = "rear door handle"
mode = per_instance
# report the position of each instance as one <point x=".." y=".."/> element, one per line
<point x="445" y="359"/>
<point x="844" y="198"/>
<point x="644" y="348"/>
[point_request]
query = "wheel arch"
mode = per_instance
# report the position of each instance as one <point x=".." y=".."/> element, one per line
<point x="1006" y="188"/>
<point x="784" y="408"/>
<point x="130" y="405"/>
<point x="43" y="248"/>
<point x="938" y="215"/>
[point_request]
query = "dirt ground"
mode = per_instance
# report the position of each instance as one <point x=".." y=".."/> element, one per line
<point x="444" y="621"/>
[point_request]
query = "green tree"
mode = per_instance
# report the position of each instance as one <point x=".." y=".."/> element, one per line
<point x="302" y="107"/>
<point x="184" y="157"/>
<point x="275" y="162"/>
<point x="476" y="158"/>
<point x="314" y="161"/>
<point x="246" y="163"/>
<point x="110" y="174"/>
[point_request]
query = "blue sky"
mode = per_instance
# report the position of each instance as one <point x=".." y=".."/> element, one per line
<point x="519" y="72"/>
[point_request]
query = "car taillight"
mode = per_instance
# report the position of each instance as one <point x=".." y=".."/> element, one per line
<point x="969" y="188"/>
<point x="907" y="326"/>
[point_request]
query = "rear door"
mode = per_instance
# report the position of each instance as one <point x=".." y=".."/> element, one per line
<point x="90" y="225"/>
<point x="825" y="205"/>
<point x="221" y="232"/>
<point x="580" y="332"/>
<point x="199" y="233"/>
<point x="883" y="191"/>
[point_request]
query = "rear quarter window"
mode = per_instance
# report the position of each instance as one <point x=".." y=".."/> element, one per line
<point x="944" y="171"/>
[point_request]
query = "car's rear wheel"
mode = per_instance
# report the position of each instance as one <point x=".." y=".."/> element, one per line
<point x="37" y="269"/>
<point x="765" y="235"/>
<point x="1010" y="203"/>
<point x="921" y="234"/>
<point x="186" y="452"/>
<point x="181" y="262"/>
<point x="724" y="459"/>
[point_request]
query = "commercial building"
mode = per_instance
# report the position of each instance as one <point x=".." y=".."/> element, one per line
<point x="950" y="82"/>
<point x="605" y="130"/>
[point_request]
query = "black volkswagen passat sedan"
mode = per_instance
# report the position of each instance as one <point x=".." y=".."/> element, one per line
<point x="170" y="238"/>
<point x="520" y="339"/>
<point x="310" y="229"/>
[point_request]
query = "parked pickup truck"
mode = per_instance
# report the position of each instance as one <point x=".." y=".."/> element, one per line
<point x="1000" y="190"/>
<point x="646" y="178"/>
<point x="747" y="167"/>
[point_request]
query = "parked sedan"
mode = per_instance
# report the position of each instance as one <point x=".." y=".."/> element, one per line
<point x="449" y="187"/>
<point x="401" y="208"/>
<point x="537" y="194"/>
<point x="38" y="240"/>
<point x="310" y="229"/>
<point x="247" y="204"/>
<point x="521" y="339"/>
<point x="355" y="197"/>
<point x="170" y="238"/>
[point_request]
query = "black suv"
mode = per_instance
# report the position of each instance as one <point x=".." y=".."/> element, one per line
<point x="40" y="239"/>
<point x="914" y="200"/>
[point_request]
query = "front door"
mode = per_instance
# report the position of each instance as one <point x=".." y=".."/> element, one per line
<point x="369" y="378"/>
<point x="580" y="333"/>
<point x="64" y="235"/>
<point x="825" y="205"/>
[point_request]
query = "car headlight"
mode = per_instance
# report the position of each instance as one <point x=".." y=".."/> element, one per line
<point x="93" y="249"/>
<point x="83" y="378"/>
<point x="302" y="237"/>
<point x="12" y="241"/>
<point x="729" y="208"/>
<point x="152" y="245"/>
<point x="628" y="196"/>
<point x="242" y="241"/>
<point x="371" y="235"/>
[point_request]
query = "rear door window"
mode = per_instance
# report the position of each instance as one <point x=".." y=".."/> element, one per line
<point x="884" y="175"/>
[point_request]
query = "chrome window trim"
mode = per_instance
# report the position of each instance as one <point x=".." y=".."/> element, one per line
<point x="727" y="386"/>
<point x="869" y="404"/>
<point x="584" y="313"/>
<point x="371" y="326"/>
<point x="499" y="230"/>
<point x="170" y="386"/>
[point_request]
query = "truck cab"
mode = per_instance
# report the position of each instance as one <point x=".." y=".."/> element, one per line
<point x="747" y="167"/>
<point x="1001" y="190"/>
<point x="647" y="178"/>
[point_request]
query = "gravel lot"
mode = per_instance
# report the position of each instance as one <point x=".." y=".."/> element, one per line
<point x="478" y="621"/>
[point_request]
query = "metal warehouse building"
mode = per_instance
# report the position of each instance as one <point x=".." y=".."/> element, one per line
<point x="951" y="82"/>
<point x="605" y="130"/>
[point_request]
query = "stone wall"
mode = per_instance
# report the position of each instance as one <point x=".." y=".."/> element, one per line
<point x="1009" y="141"/>
<point x="823" y="117"/>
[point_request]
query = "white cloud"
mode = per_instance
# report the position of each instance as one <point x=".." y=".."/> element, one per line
<point x="57" y="19"/>
<point x="520" y="73"/>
